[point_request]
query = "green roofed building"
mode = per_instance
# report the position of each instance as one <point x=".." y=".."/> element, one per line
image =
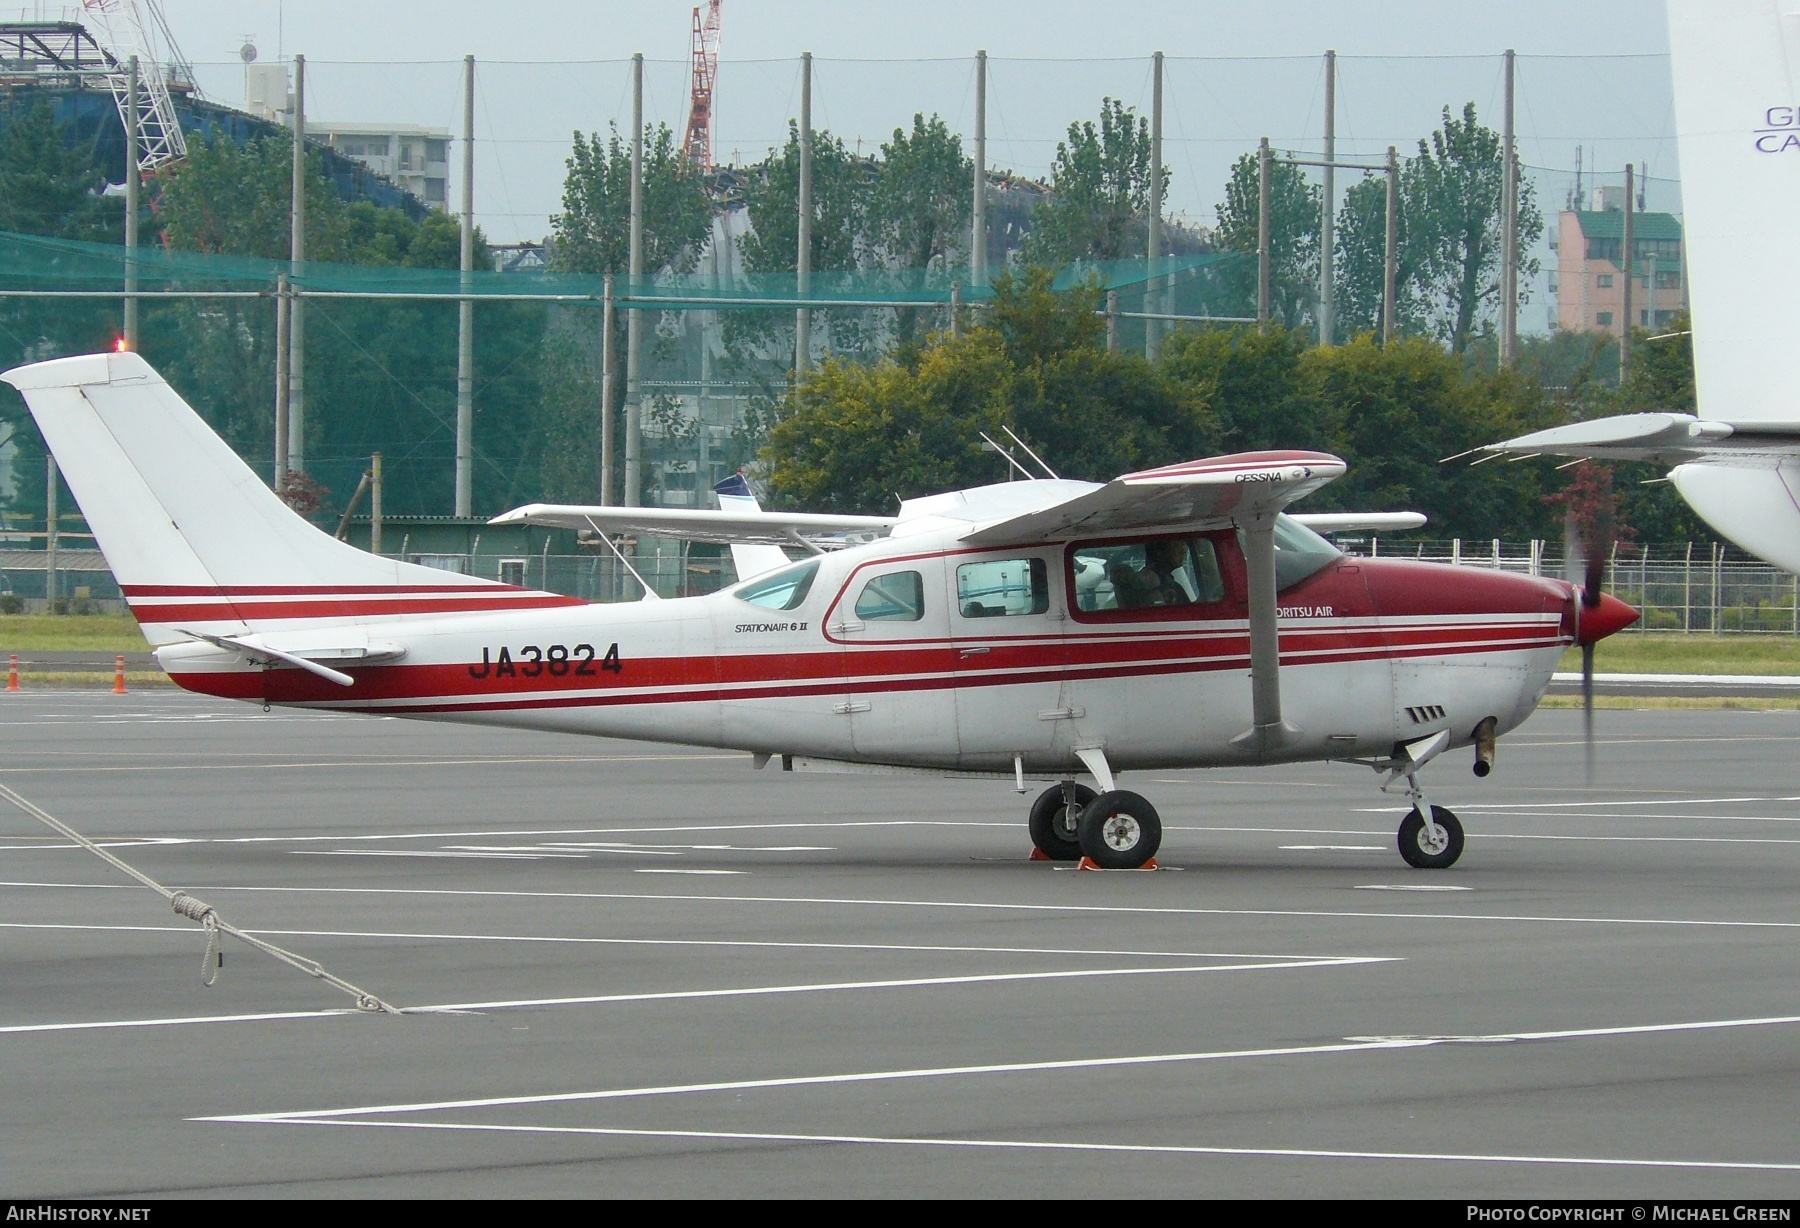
<point x="1590" y="269"/>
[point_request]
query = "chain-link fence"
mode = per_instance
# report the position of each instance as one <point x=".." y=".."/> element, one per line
<point x="1686" y="587"/>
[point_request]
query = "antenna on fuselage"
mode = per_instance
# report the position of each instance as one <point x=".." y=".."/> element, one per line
<point x="1012" y="460"/>
<point x="1033" y="455"/>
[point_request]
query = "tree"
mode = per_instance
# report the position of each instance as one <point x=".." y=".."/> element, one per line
<point x="1099" y="202"/>
<point x="840" y="183"/>
<point x="50" y="187"/>
<point x="919" y="215"/>
<point x="237" y="200"/>
<point x="1360" y="263"/>
<point x="1293" y="237"/>
<point x="854" y="437"/>
<point x="1453" y="194"/>
<point x="592" y="234"/>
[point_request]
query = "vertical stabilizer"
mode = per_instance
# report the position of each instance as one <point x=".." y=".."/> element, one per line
<point x="193" y="536"/>
<point x="735" y="495"/>
<point x="1736" y="64"/>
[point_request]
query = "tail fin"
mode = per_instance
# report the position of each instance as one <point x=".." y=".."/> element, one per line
<point x="750" y="559"/>
<point x="1736" y="69"/>
<point x="193" y="536"/>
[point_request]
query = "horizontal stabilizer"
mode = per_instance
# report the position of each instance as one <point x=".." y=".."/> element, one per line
<point x="1359" y="522"/>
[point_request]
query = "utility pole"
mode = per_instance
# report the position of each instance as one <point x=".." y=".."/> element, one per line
<point x="608" y="404"/>
<point x="1628" y="264"/>
<point x="978" y="236"/>
<point x="803" y="258"/>
<point x="50" y="519"/>
<point x="634" y="418"/>
<point x="1262" y="234"/>
<point x="1328" y="206"/>
<point x="1509" y="230"/>
<point x="282" y="299"/>
<point x="1390" y="252"/>
<point x="131" y="206"/>
<point x="1153" y="328"/>
<point x="296" y="416"/>
<point x="375" y="504"/>
<point x="465" y="310"/>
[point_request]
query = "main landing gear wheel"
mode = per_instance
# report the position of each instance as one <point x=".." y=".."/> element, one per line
<point x="1119" y="831"/>
<point x="1426" y="850"/>
<point x="1054" y="823"/>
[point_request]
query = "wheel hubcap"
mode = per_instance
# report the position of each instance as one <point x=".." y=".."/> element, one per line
<point x="1434" y="839"/>
<point x="1121" y="833"/>
<point x="1064" y="824"/>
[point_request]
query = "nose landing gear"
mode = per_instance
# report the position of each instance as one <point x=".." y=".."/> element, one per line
<point x="1431" y="837"/>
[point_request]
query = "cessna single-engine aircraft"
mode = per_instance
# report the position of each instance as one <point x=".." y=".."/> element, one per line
<point x="1046" y="628"/>
<point x="1736" y="65"/>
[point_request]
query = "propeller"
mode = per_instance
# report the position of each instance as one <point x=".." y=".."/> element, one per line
<point x="1590" y="531"/>
<point x="1584" y="567"/>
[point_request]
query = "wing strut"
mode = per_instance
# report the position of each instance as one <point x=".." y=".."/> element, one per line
<point x="1267" y="731"/>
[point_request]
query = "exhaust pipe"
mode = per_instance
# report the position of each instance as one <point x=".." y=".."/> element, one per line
<point x="1486" y="744"/>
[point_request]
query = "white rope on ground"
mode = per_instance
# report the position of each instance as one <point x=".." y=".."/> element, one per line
<point x="196" y="910"/>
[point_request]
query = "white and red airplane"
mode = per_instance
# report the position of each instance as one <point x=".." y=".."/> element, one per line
<point x="1050" y="629"/>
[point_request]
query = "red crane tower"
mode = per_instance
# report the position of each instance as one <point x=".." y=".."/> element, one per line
<point x="696" y="147"/>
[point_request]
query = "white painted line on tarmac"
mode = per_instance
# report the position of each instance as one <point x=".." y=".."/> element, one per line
<point x="1154" y="910"/>
<point x="640" y="829"/>
<point x="1362" y="1044"/>
<point x="673" y="871"/>
<point x="756" y="943"/>
<point x="987" y="1144"/>
<point x="1407" y="887"/>
<point x="754" y="991"/>
<point x="1335" y="848"/>
<point x="539" y="855"/>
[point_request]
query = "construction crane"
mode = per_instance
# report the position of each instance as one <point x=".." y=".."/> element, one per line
<point x="696" y="147"/>
<point x="121" y="29"/>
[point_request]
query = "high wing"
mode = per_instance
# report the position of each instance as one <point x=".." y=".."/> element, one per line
<point x="809" y="529"/>
<point x="1243" y="489"/>
<point x="1664" y="439"/>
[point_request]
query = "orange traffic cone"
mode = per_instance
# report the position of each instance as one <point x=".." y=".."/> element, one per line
<point x="119" y="675"/>
<point x="12" y="671"/>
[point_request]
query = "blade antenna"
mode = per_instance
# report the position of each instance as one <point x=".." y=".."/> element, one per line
<point x="1010" y="459"/>
<point x="650" y="594"/>
<point x="1033" y="455"/>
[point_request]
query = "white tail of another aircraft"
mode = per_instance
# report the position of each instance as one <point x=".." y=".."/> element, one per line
<point x="195" y="539"/>
<point x="1736" y="66"/>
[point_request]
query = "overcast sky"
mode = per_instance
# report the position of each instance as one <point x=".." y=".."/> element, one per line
<point x="1592" y="73"/>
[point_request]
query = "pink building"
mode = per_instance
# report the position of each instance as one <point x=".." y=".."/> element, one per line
<point x="1590" y="278"/>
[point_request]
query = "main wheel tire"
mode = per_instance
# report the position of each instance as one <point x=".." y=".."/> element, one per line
<point x="1425" y="854"/>
<point x="1055" y="825"/>
<point x="1119" y="831"/>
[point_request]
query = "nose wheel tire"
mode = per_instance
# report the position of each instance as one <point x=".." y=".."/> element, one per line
<point x="1054" y="823"/>
<point x="1119" y="831"/>
<point x="1425" y="850"/>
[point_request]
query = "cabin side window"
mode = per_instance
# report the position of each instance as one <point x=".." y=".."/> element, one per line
<point x="1165" y="571"/>
<point x="897" y="597"/>
<point x="997" y="588"/>
<point x="784" y="590"/>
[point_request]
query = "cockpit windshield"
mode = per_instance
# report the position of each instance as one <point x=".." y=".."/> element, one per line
<point x="1299" y="552"/>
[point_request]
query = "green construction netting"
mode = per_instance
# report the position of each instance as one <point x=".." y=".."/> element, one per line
<point x="1205" y="284"/>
